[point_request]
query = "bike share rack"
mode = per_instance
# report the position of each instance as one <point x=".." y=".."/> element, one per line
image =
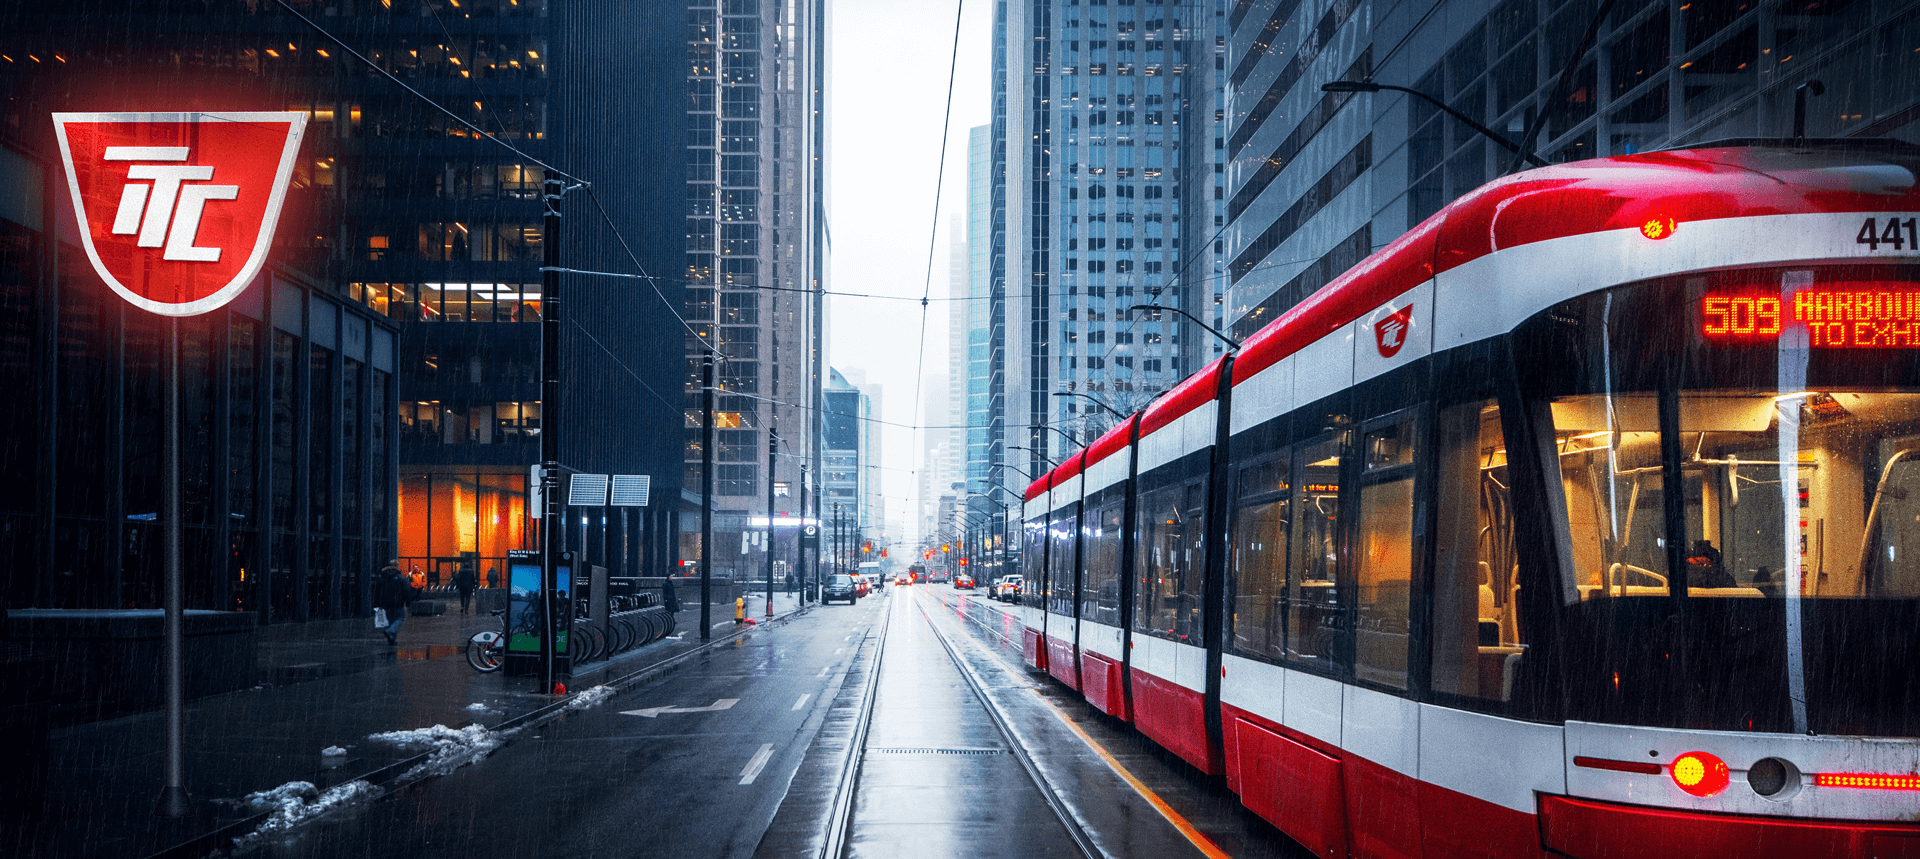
<point x="615" y="615"/>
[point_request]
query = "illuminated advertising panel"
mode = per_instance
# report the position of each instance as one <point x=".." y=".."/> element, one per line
<point x="177" y="210"/>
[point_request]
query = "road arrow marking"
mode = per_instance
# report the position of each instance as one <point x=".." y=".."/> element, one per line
<point x="716" y="706"/>
<point x="758" y="763"/>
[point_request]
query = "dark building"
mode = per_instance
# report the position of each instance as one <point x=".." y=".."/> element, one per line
<point x="375" y="396"/>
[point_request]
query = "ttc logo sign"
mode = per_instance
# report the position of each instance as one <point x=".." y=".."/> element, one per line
<point x="177" y="210"/>
<point x="1390" y="333"/>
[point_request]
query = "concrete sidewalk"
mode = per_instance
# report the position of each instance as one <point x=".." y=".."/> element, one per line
<point x="333" y="688"/>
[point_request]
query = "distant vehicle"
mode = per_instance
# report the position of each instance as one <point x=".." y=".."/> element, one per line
<point x="861" y="586"/>
<point x="1007" y="589"/>
<point x="903" y="580"/>
<point x="964" y="583"/>
<point x="840" y="586"/>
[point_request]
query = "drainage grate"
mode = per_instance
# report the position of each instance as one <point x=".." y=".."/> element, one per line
<point x="924" y="750"/>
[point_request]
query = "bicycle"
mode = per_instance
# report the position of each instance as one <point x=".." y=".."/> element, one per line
<point x="487" y="651"/>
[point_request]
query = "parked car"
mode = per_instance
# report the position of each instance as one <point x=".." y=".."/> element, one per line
<point x="840" y="586"/>
<point x="965" y="582"/>
<point x="861" y="586"/>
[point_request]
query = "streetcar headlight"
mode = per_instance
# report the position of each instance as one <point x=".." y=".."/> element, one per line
<point x="1699" y="773"/>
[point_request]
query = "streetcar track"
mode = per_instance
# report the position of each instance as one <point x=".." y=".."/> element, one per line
<point x="840" y="819"/>
<point x="1055" y="802"/>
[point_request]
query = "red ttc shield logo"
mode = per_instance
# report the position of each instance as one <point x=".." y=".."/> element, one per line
<point x="177" y="210"/>
<point x="1390" y="333"/>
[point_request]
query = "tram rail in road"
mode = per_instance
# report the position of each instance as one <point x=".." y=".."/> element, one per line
<point x="845" y="828"/>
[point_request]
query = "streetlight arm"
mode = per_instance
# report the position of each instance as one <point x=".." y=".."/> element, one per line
<point x="1089" y="398"/>
<point x="1231" y="343"/>
<point x="1489" y="133"/>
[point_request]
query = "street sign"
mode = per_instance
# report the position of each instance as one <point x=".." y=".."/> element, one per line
<point x="631" y="490"/>
<point x="177" y="210"/>
<point x="810" y="537"/>
<point x="587" y="490"/>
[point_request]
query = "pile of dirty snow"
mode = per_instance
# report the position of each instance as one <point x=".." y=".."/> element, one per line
<point x="297" y="802"/>
<point x="448" y="749"/>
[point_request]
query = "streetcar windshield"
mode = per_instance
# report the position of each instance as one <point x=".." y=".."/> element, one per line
<point x="1738" y="467"/>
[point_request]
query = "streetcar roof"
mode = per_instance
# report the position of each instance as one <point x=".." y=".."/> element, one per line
<point x="1592" y="196"/>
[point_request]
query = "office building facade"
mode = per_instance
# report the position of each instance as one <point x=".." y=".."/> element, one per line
<point x="1104" y="184"/>
<point x="754" y="253"/>
<point x="1316" y="181"/>
<point x="395" y="351"/>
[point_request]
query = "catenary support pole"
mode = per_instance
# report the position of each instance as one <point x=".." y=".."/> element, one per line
<point x="800" y="546"/>
<point x="706" y="495"/>
<point x="173" y="797"/>
<point x="773" y="439"/>
<point x="550" y="514"/>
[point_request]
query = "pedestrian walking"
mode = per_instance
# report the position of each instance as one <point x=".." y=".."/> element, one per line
<point x="739" y="610"/>
<point x="493" y="576"/>
<point x="391" y="593"/>
<point x="464" y="582"/>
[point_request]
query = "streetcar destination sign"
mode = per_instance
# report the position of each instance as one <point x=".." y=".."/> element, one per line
<point x="177" y="210"/>
<point x="1871" y="317"/>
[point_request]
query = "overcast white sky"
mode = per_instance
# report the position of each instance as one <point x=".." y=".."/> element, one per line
<point x="886" y="90"/>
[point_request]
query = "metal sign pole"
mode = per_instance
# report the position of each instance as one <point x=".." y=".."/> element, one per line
<point x="173" y="797"/>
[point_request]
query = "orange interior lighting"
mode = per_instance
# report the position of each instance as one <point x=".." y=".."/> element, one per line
<point x="1700" y="773"/>
<point x="1872" y="781"/>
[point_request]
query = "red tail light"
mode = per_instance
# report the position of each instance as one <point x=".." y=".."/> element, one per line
<point x="1700" y="774"/>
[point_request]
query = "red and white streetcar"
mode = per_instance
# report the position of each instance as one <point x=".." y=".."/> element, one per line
<point x="1583" y="519"/>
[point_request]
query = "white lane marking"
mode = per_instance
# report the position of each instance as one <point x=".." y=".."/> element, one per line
<point x="839" y="650"/>
<point x="758" y="763"/>
<point x="803" y="701"/>
<point x="715" y="707"/>
<point x="823" y="670"/>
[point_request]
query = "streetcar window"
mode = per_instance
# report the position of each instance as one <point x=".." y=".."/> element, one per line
<point x="1608" y="449"/>
<point x="1060" y="562"/>
<point x="1312" y="599"/>
<point x="1170" y="551"/>
<point x="1824" y="475"/>
<point x="1476" y="640"/>
<point x="1100" y="587"/>
<point x="1383" y="555"/>
<point x="1034" y="561"/>
<point x="1258" y="564"/>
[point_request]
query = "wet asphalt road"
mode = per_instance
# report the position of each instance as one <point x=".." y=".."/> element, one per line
<point x="757" y="777"/>
<point x="603" y="783"/>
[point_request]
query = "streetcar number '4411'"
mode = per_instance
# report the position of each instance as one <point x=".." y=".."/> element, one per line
<point x="1873" y="235"/>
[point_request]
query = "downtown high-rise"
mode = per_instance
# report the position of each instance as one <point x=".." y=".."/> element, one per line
<point x="755" y="254"/>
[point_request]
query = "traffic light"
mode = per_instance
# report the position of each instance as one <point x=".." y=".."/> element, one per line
<point x="883" y="553"/>
<point x="945" y="548"/>
<point x="866" y="548"/>
<point x="963" y="562"/>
